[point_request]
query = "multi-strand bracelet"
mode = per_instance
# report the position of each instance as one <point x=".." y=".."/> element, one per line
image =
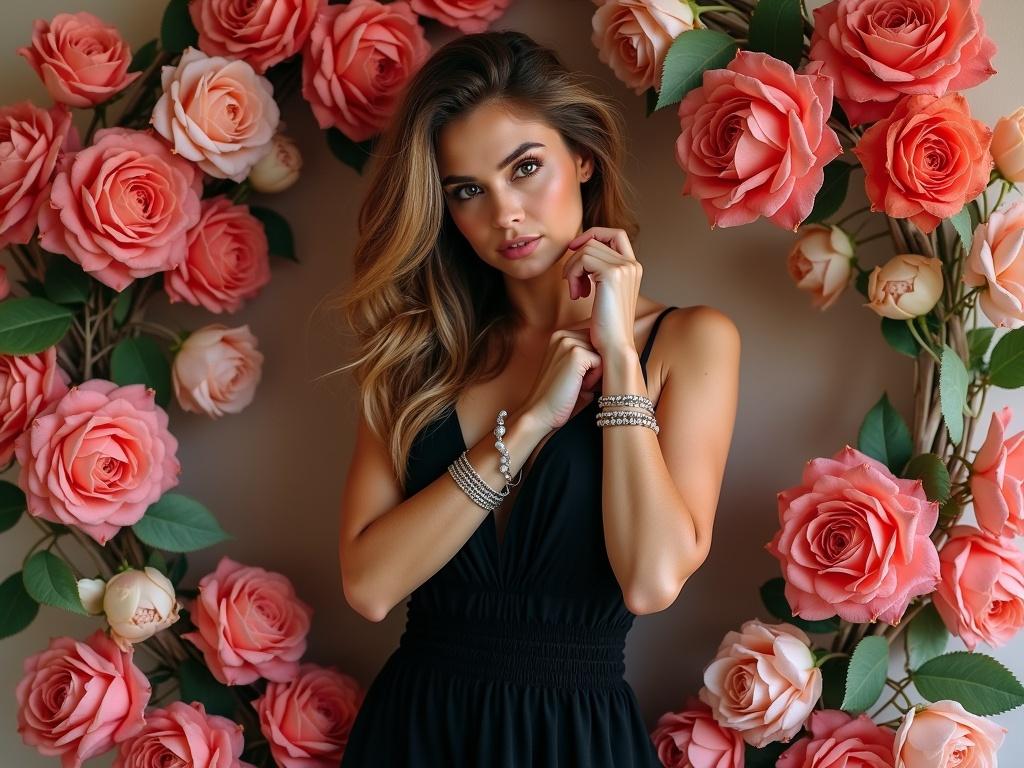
<point x="643" y="418"/>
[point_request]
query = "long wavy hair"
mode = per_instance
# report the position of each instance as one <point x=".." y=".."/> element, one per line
<point x="422" y="304"/>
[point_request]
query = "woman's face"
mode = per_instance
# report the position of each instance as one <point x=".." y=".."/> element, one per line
<point x="506" y="179"/>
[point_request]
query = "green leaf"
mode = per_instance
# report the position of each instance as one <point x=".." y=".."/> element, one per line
<point x="1006" y="364"/>
<point x="66" y="282"/>
<point x="884" y="436"/>
<point x="177" y="523"/>
<point x="279" y="233"/>
<point x="145" y="56"/>
<point x="29" y="325"/>
<point x="777" y="28"/>
<point x="931" y="470"/>
<point x="140" y="360"/>
<point x="926" y="636"/>
<point x="979" y="682"/>
<point x="962" y="224"/>
<point x="157" y="560"/>
<point x="978" y="341"/>
<point x="691" y="54"/>
<point x="12" y="504"/>
<point x="176" y="30"/>
<point x="865" y="679"/>
<point x="773" y="595"/>
<point x="899" y="337"/>
<point x="833" y="681"/>
<point x="765" y="757"/>
<point x="17" y="608"/>
<point x="862" y="281"/>
<point x="199" y="684"/>
<point x="49" y="580"/>
<point x="833" y="190"/>
<point x="123" y="303"/>
<point x="178" y="569"/>
<point x="953" y="380"/>
<point x="651" y="101"/>
<point x="351" y="153"/>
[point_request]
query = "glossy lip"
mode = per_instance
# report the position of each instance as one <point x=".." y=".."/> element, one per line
<point x="518" y="253"/>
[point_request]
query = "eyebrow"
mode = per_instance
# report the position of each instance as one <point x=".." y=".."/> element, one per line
<point x="512" y="156"/>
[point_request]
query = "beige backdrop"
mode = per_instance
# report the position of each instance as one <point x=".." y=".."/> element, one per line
<point x="273" y="475"/>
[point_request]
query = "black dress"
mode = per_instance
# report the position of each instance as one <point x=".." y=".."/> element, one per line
<point x="512" y="655"/>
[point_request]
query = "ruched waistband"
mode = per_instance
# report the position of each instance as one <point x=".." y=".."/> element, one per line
<point x="551" y="655"/>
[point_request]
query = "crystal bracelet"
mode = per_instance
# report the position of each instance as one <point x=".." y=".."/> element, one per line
<point x="635" y="418"/>
<point x="629" y="399"/>
<point x="473" y="485"/>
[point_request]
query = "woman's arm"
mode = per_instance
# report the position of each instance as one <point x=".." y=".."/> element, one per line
<point x="388" y="547"/>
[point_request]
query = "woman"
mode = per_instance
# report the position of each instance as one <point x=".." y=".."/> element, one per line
<point x="496" y="292"/>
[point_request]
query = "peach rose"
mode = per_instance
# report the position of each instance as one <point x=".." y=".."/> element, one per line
<point x="1008" y="146"/>
<point x="997" y="478"/>
<point x="839" y="740"/>
<point x="228" y="259"/>
<point x="217" y="370"/>
<point x="905" y="287"/>
<point x="183" y="734"/>
<point x="122" y="207"/>
<point x="216" y="112"/>
<point x="32" y="142"/>
<point x="633" y="36"/>
<point x="692" y="738"/>
<point x="926" y="160"/>
<point x="945" y="735"/>
<point x="98" y="458"/>
<point x="995" y="262"/>
<point x="465" y="15"/>
<point x="263" y="32"/>
<point x="754" y="141"/>
<point x="358" y="58"/>
<point x="249" y="624"/>
<point x="77" y="699"/>
<point x="307" y="720"/>
<point x="854" y="540"/>
<point x="29" y="385"/>
<point x="763" y="682"/>
<point x="981" y="596"/>
<point x="821" y="262"/>
<point x="877" y="51"/>
<point x="81" y="60"/>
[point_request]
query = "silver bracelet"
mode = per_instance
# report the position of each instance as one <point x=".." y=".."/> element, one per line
<point x="635" y="418"/>
<point x="499" y="432"/>
<point x="473" y="485"/>
<point x="629" y="399"/>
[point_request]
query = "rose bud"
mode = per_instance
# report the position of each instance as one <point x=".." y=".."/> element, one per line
<point x="279" y="168"/>
<point x="820" y="263"/>
<point x="139" y="604"/>
<point x="907" y="286"/>
<point x="1008" y="146"/>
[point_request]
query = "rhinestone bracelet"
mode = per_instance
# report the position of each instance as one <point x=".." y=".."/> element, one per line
<point x="630" y="399"/>
<point x="506" y="460"/>
<point x="614" y="418"/>
<point x="474" y="486"/>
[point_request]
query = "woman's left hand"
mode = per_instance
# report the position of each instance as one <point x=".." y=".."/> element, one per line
<point x="606" y="255"/>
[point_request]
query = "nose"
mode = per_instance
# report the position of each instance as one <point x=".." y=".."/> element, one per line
<point x="508" y="210"/>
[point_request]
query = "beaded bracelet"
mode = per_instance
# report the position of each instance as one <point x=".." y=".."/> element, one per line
<point x="630" y="399"/>
<point x="474" y="486"/>
<point x="636" y="418"/>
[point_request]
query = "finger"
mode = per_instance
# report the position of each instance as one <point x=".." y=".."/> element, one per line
<point x="588" y="261"/>
<point x="615" y="238"/>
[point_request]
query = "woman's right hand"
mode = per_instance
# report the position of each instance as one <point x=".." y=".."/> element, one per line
<point x="571" y="365"/>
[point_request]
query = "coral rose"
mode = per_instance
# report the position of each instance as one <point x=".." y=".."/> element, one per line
<point x="821" y="262"/>
<point x="249" y="624"/>
<point x="81" y="60"/>
<point x="228" y="259"/>
<point x="32" y="142"/>
<point x="122" y="207"/>
<point x="839" y="740"/>
<point x="945" y="735"/>
<point x="465" y="15"/>
<point x="692" y="738"/>
<point x="854" y="540"/>
<point x="77" y="699"/>
<point x="217" y="370"/>
<point x="98" y="458"/>
<point x="905" y="287"/>
<point x="1008" y="146"/>
<point x="307" y="720"/>
<point x="216" y="112"/>
<point x="263" y="32"/>
<point x="997" y="476"/>
<point x="754" y="141"/>
<point x="29" y="384"/>
<point x="995" y="262"/>
<point x="183" y="734"/>
<point x="926" y="160"/>
<point x="358" y="58"/>
<point x="877" y="51"/>
<point x="763" y="682"/>
<point x="633" y="36"/>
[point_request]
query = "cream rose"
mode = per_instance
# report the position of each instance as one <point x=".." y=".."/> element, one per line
<point x="138" y="604"/>
<point x="821" y="262"/>
<point x="906" y="286"/>
<point x="945" y="735"/>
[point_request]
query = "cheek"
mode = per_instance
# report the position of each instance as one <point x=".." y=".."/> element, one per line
<point x="558" y="204"/>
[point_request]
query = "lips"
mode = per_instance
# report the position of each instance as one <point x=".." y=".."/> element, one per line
<point x="508" y="244"/>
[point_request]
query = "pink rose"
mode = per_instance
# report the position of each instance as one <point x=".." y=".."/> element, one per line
<point x="263" y="32"/>
<point x="183" y="734"/>
<point x="633" y="36"/>
<point x="926" y="160"/>
<point x="693" y="738"/>
<point x="466" y="15"/>
<point x="877" y="51"/>
<point x="997" y="476"/>
<point x="32" y="141"/>
<point x="981" y="597"/>
<point x="216" y="112"/>
<point x="250" y="624"/>
<point x="217" y="370"/>
<point x="821" y="262"/>
<point x="854" y="540"/>
<point x="358" y="58"/>
<point x="227" y="261"/>
<point x="81" y="60"/>
<point x="122" y="207"/>
<point x="98" y="458"/>
<point x="839" y="740"/>
<point x="307" y="720"/>
<point x="29" y="384"/>
<point x="763" y="682"/>
<point x="77" y="699"/>
<point x="754" y="141"/>
<point x="945" y="735"/>
<point x="995" y="263"/>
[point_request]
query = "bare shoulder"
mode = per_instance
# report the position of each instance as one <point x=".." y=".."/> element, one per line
<point x="697" y="338"/>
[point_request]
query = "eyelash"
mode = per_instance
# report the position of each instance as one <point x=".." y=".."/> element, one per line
<point x="525" y="161"/>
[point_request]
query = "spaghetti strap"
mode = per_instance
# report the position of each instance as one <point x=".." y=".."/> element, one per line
<point x="650" y="339"/>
